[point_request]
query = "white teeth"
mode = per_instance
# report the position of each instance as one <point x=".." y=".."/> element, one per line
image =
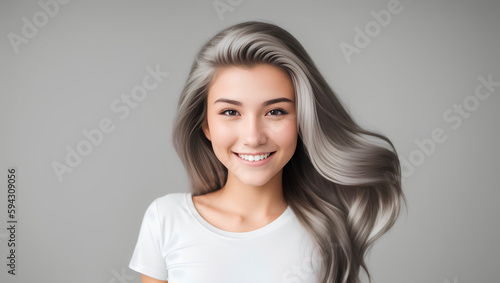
<point x="254" y="157"/>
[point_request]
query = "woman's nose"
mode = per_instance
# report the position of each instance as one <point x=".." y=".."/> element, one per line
<point x="254" y="132"/>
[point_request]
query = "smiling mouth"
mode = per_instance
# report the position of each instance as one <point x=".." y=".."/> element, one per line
<point x="255" y="157"/>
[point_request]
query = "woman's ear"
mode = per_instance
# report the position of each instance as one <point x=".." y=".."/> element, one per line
<point x="206" y="130"/>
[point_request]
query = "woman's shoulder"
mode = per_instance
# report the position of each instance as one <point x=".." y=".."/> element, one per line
<point x="170" y="202"/>
<point x="172" y="198"/>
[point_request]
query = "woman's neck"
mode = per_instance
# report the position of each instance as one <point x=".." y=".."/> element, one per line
<point x="252" y="202"/>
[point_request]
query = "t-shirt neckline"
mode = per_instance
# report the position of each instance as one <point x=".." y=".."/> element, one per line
<point x="237" y="235"/>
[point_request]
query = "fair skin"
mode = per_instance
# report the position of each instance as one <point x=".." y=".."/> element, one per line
<point x="249" y="111"/>
<point x="147" y="279"/>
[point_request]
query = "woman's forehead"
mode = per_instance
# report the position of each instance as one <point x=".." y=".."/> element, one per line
<point x="261" y="82"/>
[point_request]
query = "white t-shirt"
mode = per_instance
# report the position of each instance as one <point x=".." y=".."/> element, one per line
<point x="176" y="244"/>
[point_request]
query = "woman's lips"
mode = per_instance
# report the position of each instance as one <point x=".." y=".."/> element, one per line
<point x="256" y="163"/>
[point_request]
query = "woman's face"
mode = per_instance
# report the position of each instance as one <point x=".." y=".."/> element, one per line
<point x="251" y="114"/>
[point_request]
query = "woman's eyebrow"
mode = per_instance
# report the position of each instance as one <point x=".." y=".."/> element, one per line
<point x="269" y="102"/>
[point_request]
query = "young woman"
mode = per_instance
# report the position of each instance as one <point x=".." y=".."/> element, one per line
<point x="285" y="186"/>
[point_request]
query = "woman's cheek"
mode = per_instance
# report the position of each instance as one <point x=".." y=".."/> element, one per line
<point x="285" y="128"/>
<point x="287" y="135"/>
<point x="223" y="132"/>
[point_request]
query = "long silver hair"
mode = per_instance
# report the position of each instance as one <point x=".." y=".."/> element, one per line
<point x="343" y="182"/>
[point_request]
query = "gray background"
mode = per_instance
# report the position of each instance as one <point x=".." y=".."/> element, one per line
<point x="413" y="71"/>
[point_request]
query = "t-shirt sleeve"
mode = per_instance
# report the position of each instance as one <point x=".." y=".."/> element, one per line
<point x="147" y="257"/>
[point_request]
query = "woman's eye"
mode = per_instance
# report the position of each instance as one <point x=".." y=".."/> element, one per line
<point x="274" y="112"/>
<point x="277" y="112"/>
<point x="229" y="112"/>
